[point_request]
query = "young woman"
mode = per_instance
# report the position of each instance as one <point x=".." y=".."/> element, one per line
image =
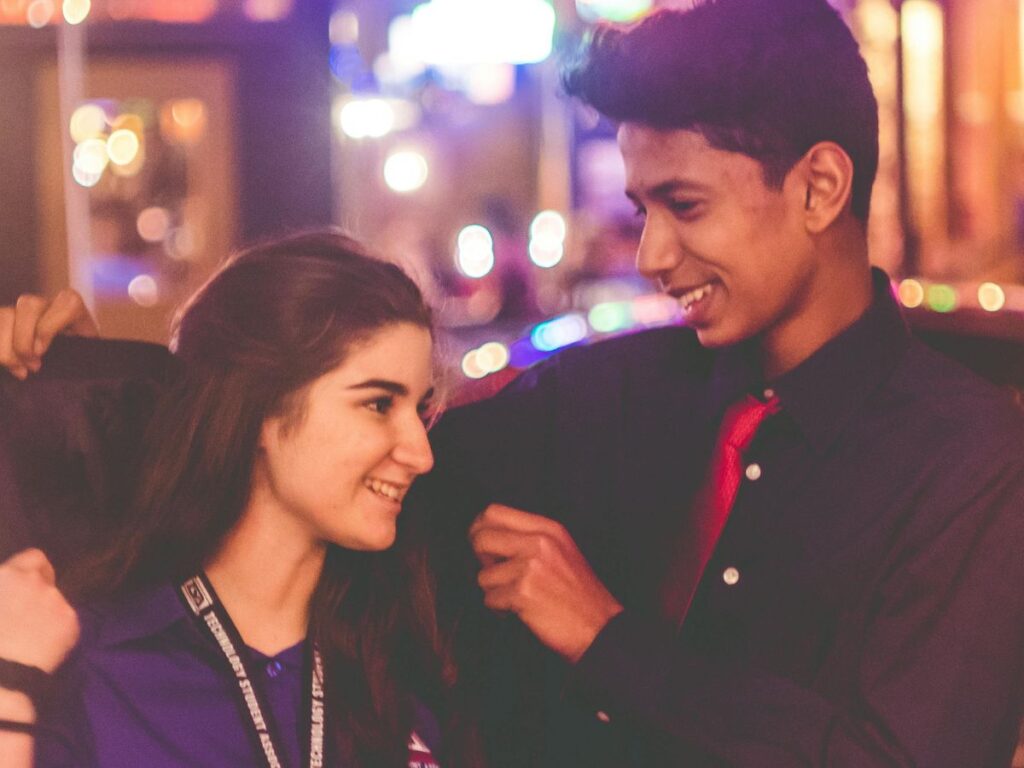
<point x="268" y="605"/>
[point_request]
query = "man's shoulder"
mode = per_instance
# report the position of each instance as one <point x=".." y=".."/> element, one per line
<point x="974" y="412"/>
<point x="670" y="343"/>
<point x="649" y="355"/>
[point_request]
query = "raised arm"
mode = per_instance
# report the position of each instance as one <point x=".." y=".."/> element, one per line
<point x="39" y="630"/>
<point x="28" y="328"/>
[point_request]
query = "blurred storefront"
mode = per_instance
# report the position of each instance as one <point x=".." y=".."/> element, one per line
<point x="166" y="132"/>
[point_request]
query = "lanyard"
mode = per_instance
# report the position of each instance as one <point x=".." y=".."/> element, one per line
<point x="198" y="595"/>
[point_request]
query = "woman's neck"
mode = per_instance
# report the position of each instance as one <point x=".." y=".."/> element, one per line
<point x="265" y="575"/>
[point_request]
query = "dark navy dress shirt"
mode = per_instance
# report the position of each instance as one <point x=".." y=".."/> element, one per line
<point x="864" y="606"/>
<point x="147" y="687"/>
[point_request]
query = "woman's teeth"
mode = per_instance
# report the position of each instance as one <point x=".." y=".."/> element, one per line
<point x="687" y="300"/>
<point x="385" y="489"/>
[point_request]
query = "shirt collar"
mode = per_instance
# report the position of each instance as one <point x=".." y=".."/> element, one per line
<point x="822" y="393"/>
<point x="139" y="614"/>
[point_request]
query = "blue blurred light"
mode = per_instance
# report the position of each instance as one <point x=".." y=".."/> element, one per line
<point x="346" y="63"/>
<point x="559" y="332"/>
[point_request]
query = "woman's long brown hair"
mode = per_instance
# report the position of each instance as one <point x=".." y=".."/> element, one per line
<point x="268" y="323"/>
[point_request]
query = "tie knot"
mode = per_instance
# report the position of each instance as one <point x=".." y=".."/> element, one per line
<point x="743" y="419"/>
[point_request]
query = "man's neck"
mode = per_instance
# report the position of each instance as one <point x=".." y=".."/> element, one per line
<point x="265" y="575"/>
<point x="833" y="302"/>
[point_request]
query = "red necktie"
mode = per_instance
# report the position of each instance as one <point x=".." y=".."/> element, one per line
<point x="714" y="501"/>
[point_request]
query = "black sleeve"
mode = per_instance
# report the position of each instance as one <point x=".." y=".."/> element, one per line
<point x="937" y="661"/>
<point x="70" y="438"/>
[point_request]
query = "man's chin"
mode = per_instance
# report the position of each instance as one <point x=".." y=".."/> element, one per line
<point x="714" y="337"/>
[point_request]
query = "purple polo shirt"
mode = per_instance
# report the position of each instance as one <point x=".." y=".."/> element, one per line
<point x="147" y="687"/>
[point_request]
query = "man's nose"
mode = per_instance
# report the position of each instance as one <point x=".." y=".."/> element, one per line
<point x="657" y="253"/>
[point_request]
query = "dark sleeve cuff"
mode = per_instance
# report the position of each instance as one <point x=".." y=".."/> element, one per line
<point x="629" y="667"/>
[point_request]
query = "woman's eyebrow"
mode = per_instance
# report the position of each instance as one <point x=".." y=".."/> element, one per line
<point x="393" y="387"/>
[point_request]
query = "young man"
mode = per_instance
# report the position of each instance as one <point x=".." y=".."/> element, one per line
<point x="861" y="605"/>
<point x="838" y="586"/>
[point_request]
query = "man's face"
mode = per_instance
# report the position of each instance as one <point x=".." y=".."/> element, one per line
<point x="733" y="251"/>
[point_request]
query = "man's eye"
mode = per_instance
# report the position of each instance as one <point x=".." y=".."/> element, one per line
<point x="683" y="207"/>
<point x="640" y="212"/>
<point x="381" y="405"/>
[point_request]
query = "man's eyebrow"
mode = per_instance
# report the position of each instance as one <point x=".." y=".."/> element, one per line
<point x="666" y="188"/>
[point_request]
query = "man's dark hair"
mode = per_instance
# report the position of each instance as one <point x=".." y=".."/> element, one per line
<point x="765" y="78"/>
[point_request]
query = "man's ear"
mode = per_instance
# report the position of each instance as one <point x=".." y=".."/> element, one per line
<point x="827" y="173"/>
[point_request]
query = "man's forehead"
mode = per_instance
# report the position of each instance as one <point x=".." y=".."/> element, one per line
<point x="666" y="160"/>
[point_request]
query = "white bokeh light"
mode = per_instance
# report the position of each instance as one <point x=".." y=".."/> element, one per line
<point x="366" y="118"/>
<point x="461" y="32"/>
<point x="406" y="170"/>
<point x="475" y="256"/>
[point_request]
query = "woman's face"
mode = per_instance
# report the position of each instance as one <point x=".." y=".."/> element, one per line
<point x="340" y="468"/>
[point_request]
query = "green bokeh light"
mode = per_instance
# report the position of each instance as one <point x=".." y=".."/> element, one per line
<point x="942" y="298"/>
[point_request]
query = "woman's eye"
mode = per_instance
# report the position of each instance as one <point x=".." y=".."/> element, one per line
<point x="381" y="405"/>
<point x="640" y="212"/>
<point x="428" y="414"/>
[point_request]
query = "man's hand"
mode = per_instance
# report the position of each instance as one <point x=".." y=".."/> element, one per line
<point x="533" y="568"/>
<point x="39" y="626"/>
<point x="27" y="328"/>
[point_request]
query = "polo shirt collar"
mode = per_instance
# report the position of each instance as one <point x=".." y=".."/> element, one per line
<point x="142" y="613"/>
<point x="822" y="393"/>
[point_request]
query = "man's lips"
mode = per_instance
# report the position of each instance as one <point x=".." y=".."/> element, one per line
<point x="691" y="295"/>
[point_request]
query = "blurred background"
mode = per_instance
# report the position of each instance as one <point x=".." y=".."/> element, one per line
<point x="141" y="140"/>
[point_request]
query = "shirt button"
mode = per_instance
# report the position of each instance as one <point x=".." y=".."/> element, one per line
<point x="753" y="472"/>
<point x="730" y="576"/>
<point x="273" y="668"/>
<point x="603" y="716"/>
<point x="769" y="394"/>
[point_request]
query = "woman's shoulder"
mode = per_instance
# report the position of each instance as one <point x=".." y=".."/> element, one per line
<point x="128" y="614"/>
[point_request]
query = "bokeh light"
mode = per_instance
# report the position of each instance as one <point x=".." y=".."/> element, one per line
<point x="493" y="356"/>
<point x="545" y="253"/>
<point x="76" y="11"/>
<point x="123" y="147"/>
<point x="87" y="122"/>
<point x="475" y="255"/>
<point x="489" y="358"/>
<point x="612" y="10"/>
<point x="941" y="298"/>
<point x="466" y="32"/>
<point x="267" y="10"/>
<point x="183" y="120"/>
<point x="559" y="332"/>
<point x="85" y="178"/>
<point x="610" y="316"/>
<point x="548" y="225"/>
<point x="366" y="118"/>
<point x="911" y="293"/>
<point x="90" y="156"/>
<point x="406" y="170"/>
<point x="144" y="291"/>
<point x="991" y="297"/>
<point x="40" y="13"/>
<point x="344" y="28"/>
<point x="153" y="223"/>
<point x="547" y="239"/>
<point x="471" y="365"/>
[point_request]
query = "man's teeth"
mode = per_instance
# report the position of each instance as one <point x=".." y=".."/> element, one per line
<point x="385" y="489"/>
<point x="692" y="297"/>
